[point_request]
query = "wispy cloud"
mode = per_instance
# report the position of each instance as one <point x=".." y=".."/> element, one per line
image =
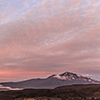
<point x="45" y="37"/>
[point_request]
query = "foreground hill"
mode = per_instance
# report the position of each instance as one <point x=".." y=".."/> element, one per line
<point x="52" y="81"/>
<point x="72" y="92"/>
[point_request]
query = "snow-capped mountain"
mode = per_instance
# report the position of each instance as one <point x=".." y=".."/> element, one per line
<point x="52" y="81"/>
<point x="73" y="76"/>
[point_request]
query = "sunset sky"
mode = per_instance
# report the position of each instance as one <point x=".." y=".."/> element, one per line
<point x="43" y="37"/>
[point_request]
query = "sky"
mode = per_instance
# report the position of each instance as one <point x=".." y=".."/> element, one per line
<point x="43" y="37"/>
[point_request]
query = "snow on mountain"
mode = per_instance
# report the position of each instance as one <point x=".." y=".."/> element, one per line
<point x="52" y="81"/>
<point x="73" y="76"/>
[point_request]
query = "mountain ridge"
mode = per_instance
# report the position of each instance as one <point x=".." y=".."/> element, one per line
<point x="66" y="78"/>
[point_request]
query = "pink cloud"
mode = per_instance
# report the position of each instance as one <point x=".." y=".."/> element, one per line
<point x="50" y="39"/>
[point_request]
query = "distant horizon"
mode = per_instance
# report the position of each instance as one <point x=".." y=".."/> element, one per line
<point x="85" y="75"/>
<point x="42" y="37"/>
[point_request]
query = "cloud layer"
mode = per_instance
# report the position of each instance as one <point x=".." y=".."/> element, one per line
<point x="42" y="37"/>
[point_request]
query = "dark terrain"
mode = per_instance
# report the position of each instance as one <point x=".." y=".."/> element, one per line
<point x="65" y="86"/>
<point x="71" y="92"/>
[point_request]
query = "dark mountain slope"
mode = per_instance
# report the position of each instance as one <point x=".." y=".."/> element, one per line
<point x="72" y="92"/>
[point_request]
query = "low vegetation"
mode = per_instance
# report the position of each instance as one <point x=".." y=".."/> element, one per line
<point x="73" y="92"/>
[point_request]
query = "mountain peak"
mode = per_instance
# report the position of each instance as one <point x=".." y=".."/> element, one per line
<point x="67" y="73"/>
<point x="72" y="76"/>
<point x="66" y="78"/>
